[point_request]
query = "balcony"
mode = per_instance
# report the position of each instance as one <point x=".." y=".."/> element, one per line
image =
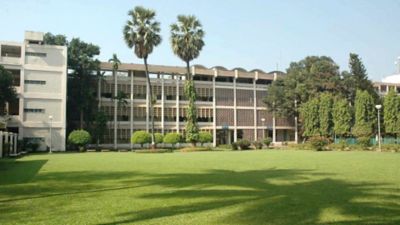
<point x="10" y="54"/>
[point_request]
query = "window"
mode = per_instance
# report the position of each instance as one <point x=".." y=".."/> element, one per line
<point x="31" y="110"/>
<point x="39" y="82"/>
<point x="11" y="51"/>
<point x="37" y="54"/>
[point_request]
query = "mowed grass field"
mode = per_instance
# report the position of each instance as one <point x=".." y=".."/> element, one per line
<point x="249" y="187"/>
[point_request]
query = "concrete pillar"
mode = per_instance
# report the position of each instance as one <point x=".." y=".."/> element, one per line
<point x="115" y="110"/>
<point x="147" y="107"/>
<point x="214" y="112"/>
<point x="11" y="148"/>
<point x="15" y="143"/>
<point x="177" y="104"/>
<point x="6" y="141"/>
<point x="234" y="108"/>
<point x="255" y="107"/>
<point x="1" y="144"/>
<point x="131" y="109"/>
<point x="273" y="129"/>
<point x="162" y="104"/>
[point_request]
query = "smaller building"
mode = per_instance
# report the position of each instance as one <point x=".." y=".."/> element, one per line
<point x="40" y="78"/>
<point x="389" y="82"/>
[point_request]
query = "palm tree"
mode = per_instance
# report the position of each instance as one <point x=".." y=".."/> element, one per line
<point x="187" y="41"/>
<point x="141" y="33"/>
<point x="115" y="64"/>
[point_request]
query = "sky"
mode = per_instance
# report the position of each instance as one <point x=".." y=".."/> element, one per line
<point x="252" y="34"/>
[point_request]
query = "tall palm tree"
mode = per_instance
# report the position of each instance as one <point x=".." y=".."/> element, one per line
<point x="115" y="64"/>
<point x="141" y="32"/>
<point x="187" y="42"/>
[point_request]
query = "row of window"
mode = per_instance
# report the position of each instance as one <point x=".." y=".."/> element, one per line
<point x="33" y="110"/>
<point x="37" y="54"/>
<point x="38" y="82"/>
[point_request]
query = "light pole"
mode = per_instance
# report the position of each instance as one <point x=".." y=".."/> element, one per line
<point x="51" y="141"/>
<point x="378" y="107"/>
<point x="263" y="121"/>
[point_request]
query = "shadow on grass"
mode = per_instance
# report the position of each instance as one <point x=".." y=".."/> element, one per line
<point x="18" y="172"/>
<point x="270" y="197"/>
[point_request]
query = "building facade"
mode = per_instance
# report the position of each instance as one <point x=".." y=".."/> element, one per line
<point x="229" y="103"/>
<point x="40" y="78"/>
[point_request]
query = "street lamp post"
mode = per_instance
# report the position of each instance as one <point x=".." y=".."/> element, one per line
<point x="378" y="107"/>
<point x="51" y="136"/>
<point x="263" y="125"/>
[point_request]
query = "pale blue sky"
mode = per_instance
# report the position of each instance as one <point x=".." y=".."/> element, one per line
<point x="250" y="34"/>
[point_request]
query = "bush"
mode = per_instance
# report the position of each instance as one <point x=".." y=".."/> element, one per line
<point x="158" y="138"/>
<point x="205" y="137"/>
<point x="234" y="146"/>
<point x="79" y="138"/>
<point x="225" y="146"/>
<point x="153" y="151"/>
<point x="244" y="144"/>
<point x="340" y="146"/>
<point x="364" y="142"/>
<point x="390" y="147"/>
<point x="318" y="143"/>
<point x="195" y="149"/>
<point x="140" y="137"/>
<point x="267" y="141"/>
<point x="258" y="145"/>
<point x="172" y="138"/>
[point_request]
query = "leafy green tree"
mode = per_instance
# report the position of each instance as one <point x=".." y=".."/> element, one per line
<point x="205" y="137"/>
<point x="365" y="115"/>
<point x="7" y="90"/>
<point x="80" y="138"/>
<point x="325" y="112"/>
<point x="391" y="113"/>
<point x="342" y="117"/>
<point x="100" y="127"/>
<point x="141" y="137"/>
<point x="51" y="39"/>
<point x="117" y="98"/>
<point x="309" y="113"/>
<point x="304" y="80"/>
<point x="187" y="41"/>
<point x="81" y="92"/>
<point x="142" y="33"/>
<point x="357" y="79"/>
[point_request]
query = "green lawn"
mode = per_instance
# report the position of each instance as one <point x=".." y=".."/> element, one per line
<point x="251" y="187"/>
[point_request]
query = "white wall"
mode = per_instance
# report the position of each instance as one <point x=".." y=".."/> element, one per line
<point x="52" y="107"/>
<point x="52" y="78"/>
<point x="55" y="56"/>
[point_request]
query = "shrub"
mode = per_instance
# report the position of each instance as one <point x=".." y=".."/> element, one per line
<point x="153" y="151"/>
<point x="225" y="146"/>
<point x="158" y="138"/>
<point x="364" y="142"/>
<point x="172" y="138"/>
<point x="340" y="146"/>
<point x="390" y="147"/>
<point x="244" y="144"/>
<point x="318" y="143"/>
<point x="267" y="141"/>
<point x="140" y="137"/>
<point x="195" y="149"/>
<point x="234" y="146"/>
<point x="258" y="145"/>
<point x="79" y="138"/>
<point x="205" y="137"/>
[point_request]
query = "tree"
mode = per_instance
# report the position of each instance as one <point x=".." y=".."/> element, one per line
<point x="141" y="137"/>
<point x="59" y="39"/>
<point x="159" y="138"/>
<point x="141" y="32"/>
<point x="115" y="64"/>
<point x="82" y="63"/>
<point x="325" y="114"/>
<point x="391" y="113"/>
<point x="357" y="79"/>
<point x="205" y="137"/>
<point x="309" y="113"/>
<point x="187" y="42"/>
<point x="304" y="80"/>
<point x="8" y="93"/>
<point x="364" y="114"/>
<point x="342" y="117"/>
<point x="100" y="127"/>
<point x="79" y="138"/>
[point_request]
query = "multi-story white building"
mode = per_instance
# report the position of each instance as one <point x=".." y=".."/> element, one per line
<point x="40" y="78"/>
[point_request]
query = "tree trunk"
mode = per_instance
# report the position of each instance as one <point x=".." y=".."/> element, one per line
<point x="81" y="119"/>
<point x="151" y="109"/>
